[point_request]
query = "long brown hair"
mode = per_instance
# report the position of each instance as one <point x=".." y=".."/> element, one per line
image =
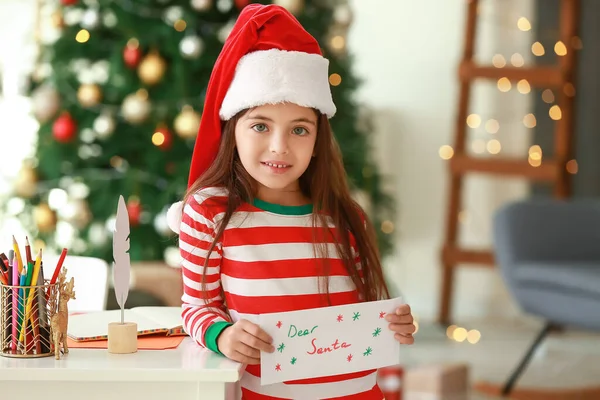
<point x="325" y="183"/>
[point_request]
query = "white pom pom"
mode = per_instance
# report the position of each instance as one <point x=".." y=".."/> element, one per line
<point x="174" y="216"/>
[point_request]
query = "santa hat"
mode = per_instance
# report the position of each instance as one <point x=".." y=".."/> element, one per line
<point x="268" y="58"/>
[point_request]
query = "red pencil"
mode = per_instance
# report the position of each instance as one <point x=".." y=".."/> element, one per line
<point x="27" y="251"/>
<point x="63" y="254"/>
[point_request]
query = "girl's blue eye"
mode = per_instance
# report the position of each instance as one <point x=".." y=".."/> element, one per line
<point x="300" y="131"/>
<point x="260" y="127"/>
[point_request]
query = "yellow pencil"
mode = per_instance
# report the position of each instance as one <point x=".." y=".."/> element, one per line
<point x="18" y="254"/>
<point x="34" y="278"/>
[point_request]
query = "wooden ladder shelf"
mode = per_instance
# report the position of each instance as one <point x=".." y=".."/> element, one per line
<point x="559" y="77"/>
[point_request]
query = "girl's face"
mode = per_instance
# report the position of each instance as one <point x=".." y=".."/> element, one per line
<point x="275" y="144"/>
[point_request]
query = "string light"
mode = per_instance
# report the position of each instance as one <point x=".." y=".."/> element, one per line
<point x="572" y="167"/>
<point x="535" y="152"/>
<point x="548" y="96"/>
<point x="460" y="334"/>
<point x="463" y="217"/>
<point x="387" y="227"/>
<point x="82" y="36"/>
<point x="498" y="61"/>
<point x="569" y="89"/>
<point x="524" y="24"/>
<point x="560" y="49"/>
<point x="493" y="146"/>
<point x="492" y="126"/>
<point x="180" y="25"/>
<point x="142" y="94"/>
<point x="555" y="112"/>
<point x="535" y="156"/>
<point x="473" y="121"/>
<point x="538" y="49"/>
<point x="446" y="152"/>
<point x="338" y="42"/>
<point x="133" y="43"/>
<point x="158" y="138"/>
<point x="473" y="336"/>
<point x="450" y="331"/>
<point x="576" y="43"/>
<point x="504" y="84"/>
<point x="523" y="86"/>
<point x="335" y="79"/>
<point x="529" y="121"/>
<point x="116" y="162"/>
<point x="517" y="60"/>
<point x="478" y="146"/>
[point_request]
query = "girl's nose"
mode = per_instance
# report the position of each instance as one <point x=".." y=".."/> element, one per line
<point x="279" y="143"/>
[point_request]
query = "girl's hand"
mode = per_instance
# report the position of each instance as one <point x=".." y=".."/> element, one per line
<point x="243" y="342"/>
<point x="401" y="322"/>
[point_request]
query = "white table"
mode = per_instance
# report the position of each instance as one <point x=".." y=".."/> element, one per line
<point x="185" y="373"/>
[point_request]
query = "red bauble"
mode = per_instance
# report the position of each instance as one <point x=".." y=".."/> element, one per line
<point x="64" y="128"/>
<point x="242" y="3"/>
<point x="162" y="138"/>
<point x="68" y="2"/>
<point x="134" y="209"/>
<point x="132" y="56"/>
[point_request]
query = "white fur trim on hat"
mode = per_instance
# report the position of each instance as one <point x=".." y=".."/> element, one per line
<point x="277" y="76"/>
<point x="174" y="215"/>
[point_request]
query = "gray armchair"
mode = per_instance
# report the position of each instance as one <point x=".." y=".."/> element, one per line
<point x="548" y="253"/>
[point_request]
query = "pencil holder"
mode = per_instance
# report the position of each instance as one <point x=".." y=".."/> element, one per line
<point x="25" y="315"/>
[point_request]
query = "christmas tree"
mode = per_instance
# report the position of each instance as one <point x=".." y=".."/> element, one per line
<point x="118" y="93"/>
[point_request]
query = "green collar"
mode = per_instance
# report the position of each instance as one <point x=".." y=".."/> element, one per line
<point x="284" y="210"/>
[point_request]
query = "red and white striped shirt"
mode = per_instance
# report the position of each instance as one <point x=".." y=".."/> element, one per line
<point x="263" y="263"/>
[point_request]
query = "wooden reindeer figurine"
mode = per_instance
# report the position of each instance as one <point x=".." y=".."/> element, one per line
<point x="60" y="319"/>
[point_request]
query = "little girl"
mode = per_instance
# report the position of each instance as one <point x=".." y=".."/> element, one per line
<point x="268" y="223"/>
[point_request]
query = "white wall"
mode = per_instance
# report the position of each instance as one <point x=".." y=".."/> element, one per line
<point x="408" y="52"/>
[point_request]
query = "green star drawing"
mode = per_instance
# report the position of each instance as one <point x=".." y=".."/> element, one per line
<point x="368" y="352"/>
<point x="376" y="332"/>
<point x="281" y="347"/>
<point x="356" y="316"/>
<point x="293" y="360"/>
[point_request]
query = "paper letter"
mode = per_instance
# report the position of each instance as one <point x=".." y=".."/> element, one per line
<point x="329" y="341"/>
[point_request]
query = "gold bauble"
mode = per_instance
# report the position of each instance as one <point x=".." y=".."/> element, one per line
<point x="89" y="95"/>
<point x="152" y="68"/>
<point x="44" y="218"/>
<point x="293" y="6"/>
<point x="186" y="124"/>
<point x="25" y="184"/>
<point x="57" y="19"/>
<point x="77" y="213"/>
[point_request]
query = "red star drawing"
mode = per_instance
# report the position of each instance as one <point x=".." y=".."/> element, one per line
<point x="349" y="358"/>
<point x="278" y="367"/>
<point x="340" y="318"/>
<point x="381" y="314"/>
<point x="278" y="324"/>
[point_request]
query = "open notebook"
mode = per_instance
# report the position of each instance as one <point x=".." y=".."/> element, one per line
<point x="150" y="320"/>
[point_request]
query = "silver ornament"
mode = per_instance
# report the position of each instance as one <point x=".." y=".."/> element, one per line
<point x="172" y="14"/>
<point x="98" y="234"/>
<point x="45" y="103"/>
<point x="201" y="5"/>
<point x="90" y="18"/>
<point x="104" y="125"/>
<point x="135" y="108"/>
<point x="191" y="46"/>
<point x="109" y="19"/>
<point x="160" y="223"/>
<point x="224" y="5"/>
<point x="343" y="14"/>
